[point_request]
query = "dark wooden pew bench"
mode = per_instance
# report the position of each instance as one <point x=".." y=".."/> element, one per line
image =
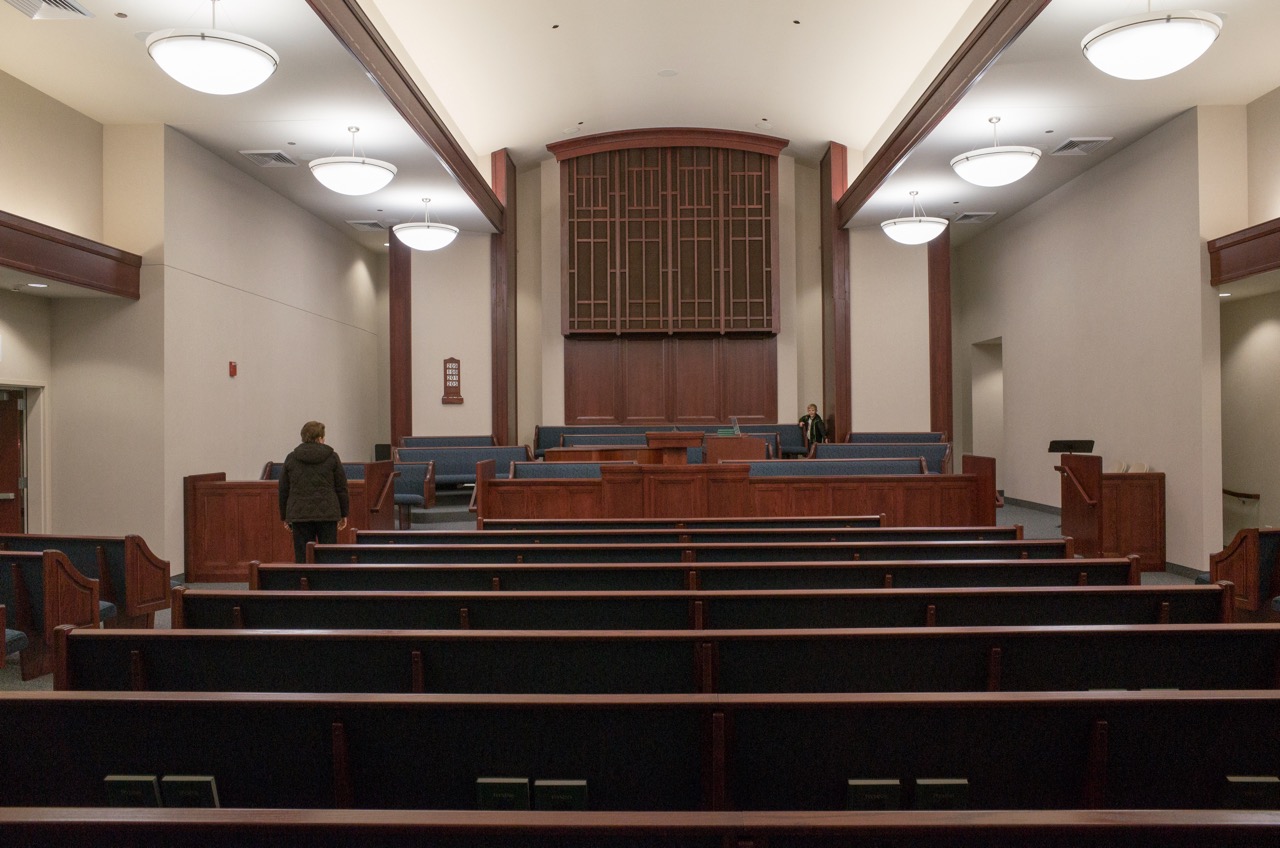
<point x="683" y="610"/>
<point x="694" y="552"/>
<point x="937" y="659"/>
<point x="1017" y="751"/>
<point x="782" y="522"/>
<point x="129" y="574"/>
<point x="40" y="591"/>
<point x="95" y="827"/>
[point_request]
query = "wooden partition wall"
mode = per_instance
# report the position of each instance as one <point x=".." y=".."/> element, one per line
<point x="669" y="245"/>
<point x="1113" y="514"/>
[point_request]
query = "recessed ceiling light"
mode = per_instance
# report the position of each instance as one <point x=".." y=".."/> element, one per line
<point x="1224" y="294"/>
<point x="571" y="130"/>
<point x="38" y="285"/>
<point x="668" y="72"/>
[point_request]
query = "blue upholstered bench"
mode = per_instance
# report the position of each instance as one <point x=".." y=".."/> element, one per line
<point x="936" y="456"/>
<point x="790" y="437"/>
<point x="558" y="470"/>
<point x="415" y="487"/>
<point x="570" y="440"/>
<point x="447" y="441"/>
<point x="834" y="467"/>
<point x="14" y="640"/>
<point x="896" y="438"/>
<point x="455" y="466"/>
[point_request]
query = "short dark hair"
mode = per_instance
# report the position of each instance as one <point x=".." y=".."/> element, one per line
<point x="312" y="431"/>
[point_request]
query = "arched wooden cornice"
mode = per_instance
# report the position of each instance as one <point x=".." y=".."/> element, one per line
<point x="1244" y="253"/>
<point x="667" y="137"/>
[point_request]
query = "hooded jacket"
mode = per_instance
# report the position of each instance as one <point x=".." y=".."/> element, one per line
<point x="313" y="485"/>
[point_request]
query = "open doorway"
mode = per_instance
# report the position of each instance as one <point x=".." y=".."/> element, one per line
<point x="987" y="400"/>
<point x="13" y="466"/>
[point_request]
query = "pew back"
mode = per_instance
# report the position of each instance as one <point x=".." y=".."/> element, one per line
<point x="456" y="465"/>
<point x="761" y="535"/>
<point x="781" y="521"/>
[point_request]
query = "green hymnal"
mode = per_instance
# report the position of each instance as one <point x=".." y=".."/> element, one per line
<point x="189" y="790"/>
<point x="132" y="790"/>
<point x="874" y="795"/>
<point x="502" y="793"/>
<point x="559" y="794"/>
<point x="1250" y="792"/>
<point x="942" y="793"/>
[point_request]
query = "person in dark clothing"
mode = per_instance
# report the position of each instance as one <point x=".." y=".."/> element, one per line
<point x="313" y="492"/>
<point x="815" y="430"/>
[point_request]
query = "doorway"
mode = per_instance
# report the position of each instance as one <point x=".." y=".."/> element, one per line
<point x="13" y="484"/>
<point x="987" y="400"/>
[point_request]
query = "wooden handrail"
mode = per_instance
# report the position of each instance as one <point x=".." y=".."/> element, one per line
<point x="1244" y="496"/>
<point x="1066" y="472"/>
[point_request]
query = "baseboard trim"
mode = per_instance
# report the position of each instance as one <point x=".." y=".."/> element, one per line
<point x="1038" y="507"/>
<point x="1183" y="570"/>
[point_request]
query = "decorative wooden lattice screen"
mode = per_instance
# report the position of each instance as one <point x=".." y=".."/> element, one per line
<point x="671" y="239"/>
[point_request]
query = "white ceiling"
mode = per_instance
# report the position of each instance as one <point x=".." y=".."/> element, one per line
<point x="520" y="73"/>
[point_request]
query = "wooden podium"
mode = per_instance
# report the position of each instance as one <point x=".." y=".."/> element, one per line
<point x="673" y="444"/>
<point x="717" y="448"/>
<point x="1113" y="514"/>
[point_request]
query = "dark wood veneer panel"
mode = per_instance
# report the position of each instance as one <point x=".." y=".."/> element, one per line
<point x="57" y="255"/>
<point x="837" y="356"/>
<point x="940" y="400"/>
<point x="502" y="277"/>
<point x="697" y="381"/>
<point x="1244" y="253"/>
<point x="400" y="285"/>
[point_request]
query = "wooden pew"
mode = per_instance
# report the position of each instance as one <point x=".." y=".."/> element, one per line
<point x="693" y="552"/>
<point x="128" y="572"/>
<point x="782" y="521"/>
<point x="776" y="752"/>
<point x="41" y="591"/>
<point x="535" y="577"/>
<point x="727" y="489"/>
<point x="936" y="659"/>
<point x="737" y="610"/>
<point x="95" y="827"/>
<point x="648" y="536"/>
<point x="1252" y="563"/>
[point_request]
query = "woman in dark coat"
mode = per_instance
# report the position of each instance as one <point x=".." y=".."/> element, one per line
<point x="313" y="492"/>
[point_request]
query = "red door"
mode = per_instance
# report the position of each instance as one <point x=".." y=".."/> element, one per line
<point x="12" y="498"/>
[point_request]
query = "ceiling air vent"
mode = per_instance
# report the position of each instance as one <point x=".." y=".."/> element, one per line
<point x="1079" y="146"/>
<point x="972" y="217"/>
<point x="50" y="10"/>
<point x="369" y="226"/>
<point x="270" y="158"/>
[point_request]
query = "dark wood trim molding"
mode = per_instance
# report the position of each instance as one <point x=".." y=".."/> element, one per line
<point x="940" y="408"/>
<point x="502" y="299"/>
<point x="1002" y="24"/>
<point x="837" y="344"/>
<point x="400" y="333"/>
<point x="667" y="137"/>
<point x="356" y="32"/>
<point x="41" y="250"/>
<point x="1245" y="253"/>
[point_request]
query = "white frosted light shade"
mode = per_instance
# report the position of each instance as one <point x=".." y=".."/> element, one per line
<point x="1152" y="45"/>
<point x="996" y="166"/>
<point x="425" y="235"/>
<point x="352" y="175"/>
<point x="917" y="230"/>
<point x="211" y="60"/>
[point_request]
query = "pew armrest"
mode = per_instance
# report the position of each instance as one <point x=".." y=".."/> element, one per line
<point x="146" y="578"/>
<point x="1238" y="563"/>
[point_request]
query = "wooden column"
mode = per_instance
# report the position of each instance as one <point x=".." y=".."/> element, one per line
<point x="502" y="282"/>
<point x="940" y="408"/>
<point x="400" y="279"/>
<point x="837" y="350"/>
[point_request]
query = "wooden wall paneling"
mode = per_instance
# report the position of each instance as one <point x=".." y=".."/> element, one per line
<point x="642" y="376"/>
<point x="957" y="506"/>
<point x="697" y="380"/>
<point x="1244" y="253"/>
<point x="750" y="379"/>
<point x="55" y="254"/>
<point x="622" y="491"/>
<point x="920" y="505"/>
<point x="592" y="391"/>
<point x="502" y="281"/>
<point x="811" y="498"/>
<point x="940" y="405"/>
<point x="837" y="342"/>
<point x="728" y="492"/>
<point x="697" y="250"/>
<point x="672" y="492"/>
<point x="768" y="498"/>
<point x="400" y="336"/>
<point x="1133" y="517"/>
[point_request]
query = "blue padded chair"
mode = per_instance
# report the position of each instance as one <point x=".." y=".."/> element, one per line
<point x="14" y="640"/>
<point x="411" y="485"/>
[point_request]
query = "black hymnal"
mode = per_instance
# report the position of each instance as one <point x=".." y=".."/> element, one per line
<point x="132" y="790"/>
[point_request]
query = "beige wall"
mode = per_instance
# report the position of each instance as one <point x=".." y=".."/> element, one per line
<point x="1098" y="292"/>
<point x="53" y="161"/>
<point x="552" y="347"/>
<point x="529" y="340"/>
<point x="889" y="333"/>
<point x="1264" y="163"/>
<point x="806" y="314"/>
<point x="451" y="318"/>
<point x="26" y="339"/>
<point x="1251" y="406"/>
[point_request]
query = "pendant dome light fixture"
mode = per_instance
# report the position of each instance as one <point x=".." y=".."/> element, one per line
<point x="1153" y="45"/>
<point x="353" y="175"/>
<point x="996" y="165"/>
<point x="425" y="235"/>
<point x="211" y="60"/>
<point x="916" y="229"/>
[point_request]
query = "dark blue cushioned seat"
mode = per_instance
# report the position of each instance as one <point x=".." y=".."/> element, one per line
<point x="458" y="465"/>
<point x="935" y="455"/>
<point x="555" y="470"/>
<point x="446" y="441"/>
<point x="832" y="468"/>
<point x="898" y="438"/>
<point x="14" y="641"/>
<point x="107" y="610"/>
